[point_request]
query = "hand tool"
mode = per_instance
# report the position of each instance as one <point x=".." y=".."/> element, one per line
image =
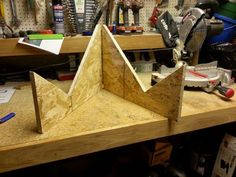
<point x="98" y="13"/>
<point x="15" y="21"/>
<point x="135" y="7"/>
<point x="7" y="31"/>
<point x="70" y="15"/>
<point x="7" y="117"/>
<point x="180" y="4"/>
<point x="155" y="13"/>
<point x="2" y="11"/>
<point x="37" y="7"/>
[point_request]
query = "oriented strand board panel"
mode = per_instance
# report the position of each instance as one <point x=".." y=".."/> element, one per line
<point x="164" y="97"/>
<point x="88" y="79"/>
<point x="104" y="64"/>
<point x="113" y="67"/>
<point x="52" y="104"/>
<point x="119" y="77"/>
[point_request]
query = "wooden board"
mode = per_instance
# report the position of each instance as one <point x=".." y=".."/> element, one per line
<point x="118" y="122"/>
<point x="164" y="98"/>
<point x="88" y="79"/>
<point x="52" y="104"/>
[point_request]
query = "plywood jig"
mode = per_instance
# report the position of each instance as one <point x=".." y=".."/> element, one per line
<point x="119" y="77"/>
<point x="104" y="65"/>
<point x="52" y="104"/>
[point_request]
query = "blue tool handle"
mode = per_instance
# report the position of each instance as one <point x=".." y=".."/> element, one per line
<point x="7" y="117"/>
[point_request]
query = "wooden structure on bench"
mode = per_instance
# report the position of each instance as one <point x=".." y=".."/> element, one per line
<point x="104" y="66"/>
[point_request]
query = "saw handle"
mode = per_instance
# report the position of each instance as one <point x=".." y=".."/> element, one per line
<point x="227" y="92"/>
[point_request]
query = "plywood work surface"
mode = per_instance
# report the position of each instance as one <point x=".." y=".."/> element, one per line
<point x="110" y="122"/>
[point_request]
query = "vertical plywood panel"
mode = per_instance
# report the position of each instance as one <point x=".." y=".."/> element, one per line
<point x="113" y="66"/>
<point x="164" y="98"/>
<point x="51" y="103"/>
<point x="88" y="79"/>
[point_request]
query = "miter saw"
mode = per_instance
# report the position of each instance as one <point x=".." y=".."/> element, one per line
<point x="191" y="35"/>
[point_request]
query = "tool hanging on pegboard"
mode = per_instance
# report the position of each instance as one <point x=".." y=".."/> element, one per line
<point x="155" y="13"/>
<point x="15" y="22"/>
<point x="2" y="10"/>
<point x="70" y="16"/>
<point x="34" y="6"/>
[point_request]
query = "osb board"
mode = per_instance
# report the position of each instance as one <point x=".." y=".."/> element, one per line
<point x="51" y="104"/>
<point x="88" y="78"/>
<point x="164" y="98"/>
<point x="120" y="78"/>
<point x="118" y="122"/>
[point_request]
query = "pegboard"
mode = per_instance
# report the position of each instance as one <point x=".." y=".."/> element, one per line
<point x="28" y="18"/>
<point x="146" y="12"/>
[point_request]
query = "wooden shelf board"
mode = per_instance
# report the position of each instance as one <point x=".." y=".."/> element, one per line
<point x="78" y="44"/>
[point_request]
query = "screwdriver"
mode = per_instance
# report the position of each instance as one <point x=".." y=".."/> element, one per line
<point x="227" y="92"/>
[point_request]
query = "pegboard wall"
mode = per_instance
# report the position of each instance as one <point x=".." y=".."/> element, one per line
<point x="29" y="22"/>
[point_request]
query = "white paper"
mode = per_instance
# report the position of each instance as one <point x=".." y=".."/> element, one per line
<point x="6" y="94"/>
<point x="50" y="45"/>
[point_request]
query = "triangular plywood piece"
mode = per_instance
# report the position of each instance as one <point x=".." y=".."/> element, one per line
<point x="52" y="104"/>
<point x="88" y="79"/>
<point x="164" y="97"/>
<point x="120" y="78"/>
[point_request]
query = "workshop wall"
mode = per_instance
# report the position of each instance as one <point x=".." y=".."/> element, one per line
<point x="39" y="20"/>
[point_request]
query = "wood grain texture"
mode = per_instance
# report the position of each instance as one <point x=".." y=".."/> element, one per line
<point x="112" y="66"/>
<point x="120" y="78"/>
<point x="75" y="44"/>
<point x="88" y="79"/>
<point x="51" y="103"/>
<point x="164" y="97"/>
<point x="118" y="122"/>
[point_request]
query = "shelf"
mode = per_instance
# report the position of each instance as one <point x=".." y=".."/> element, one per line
<point x="77" y="44"/>
<point x="111" y="122"/>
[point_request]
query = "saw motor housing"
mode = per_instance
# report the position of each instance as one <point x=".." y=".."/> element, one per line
<point x="192" y="33"/>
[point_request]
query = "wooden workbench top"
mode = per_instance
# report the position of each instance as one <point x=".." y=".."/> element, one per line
<point x="104" y="122"/>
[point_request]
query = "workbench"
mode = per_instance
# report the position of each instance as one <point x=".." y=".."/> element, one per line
<point x="105" y="121"/>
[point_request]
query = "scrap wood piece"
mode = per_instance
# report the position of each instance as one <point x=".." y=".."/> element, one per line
<point x="52" y="104"/>
<point x="164" y="98"/>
